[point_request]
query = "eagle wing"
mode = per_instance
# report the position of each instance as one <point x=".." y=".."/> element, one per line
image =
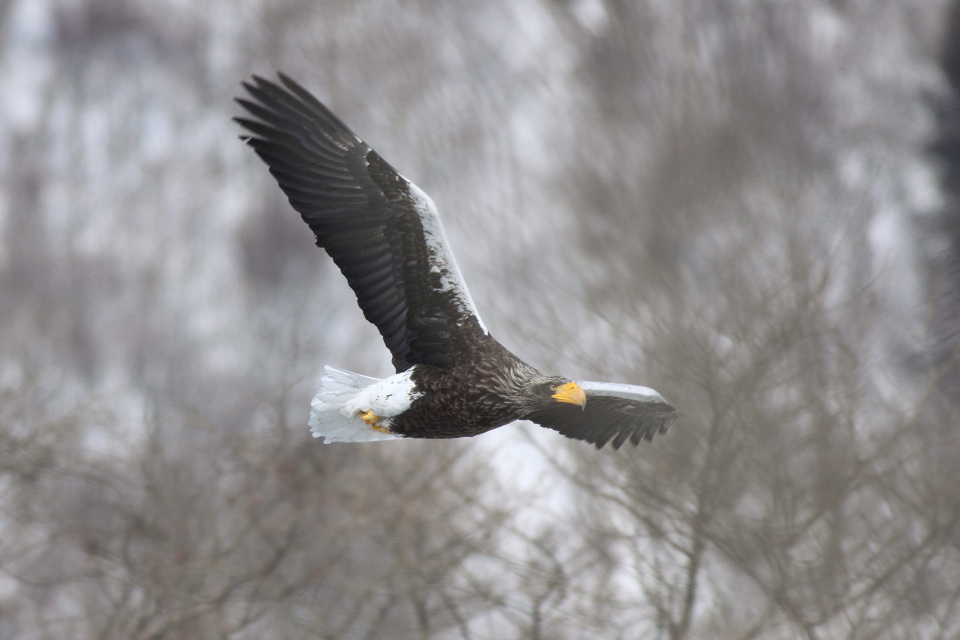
<point x="381" y="230"/>
<point x="613" y="412"/>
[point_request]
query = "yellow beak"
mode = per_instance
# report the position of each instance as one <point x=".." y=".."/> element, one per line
<point x="572" y="393"/>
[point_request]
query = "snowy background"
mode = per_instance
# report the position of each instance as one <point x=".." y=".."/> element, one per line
<point x="750" y="206"/>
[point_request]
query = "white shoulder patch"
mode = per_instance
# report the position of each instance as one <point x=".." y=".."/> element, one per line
<point x="441" y="257"/>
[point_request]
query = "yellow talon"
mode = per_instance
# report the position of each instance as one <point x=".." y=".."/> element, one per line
<point x="372" y="419"/>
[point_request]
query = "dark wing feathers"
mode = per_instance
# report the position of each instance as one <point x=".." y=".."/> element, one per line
<point x="367" y="217"/>
<point x="614" y="413"/>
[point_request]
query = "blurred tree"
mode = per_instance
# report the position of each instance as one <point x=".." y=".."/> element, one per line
<point x="712" y="197"/>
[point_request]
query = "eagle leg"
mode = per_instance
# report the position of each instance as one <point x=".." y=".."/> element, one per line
<point x="372" y="419"/>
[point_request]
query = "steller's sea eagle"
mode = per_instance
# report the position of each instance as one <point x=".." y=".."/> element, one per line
<point x="453" y="379"/>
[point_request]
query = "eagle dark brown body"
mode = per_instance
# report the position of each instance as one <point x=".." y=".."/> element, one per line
<point x="455" y="405"/>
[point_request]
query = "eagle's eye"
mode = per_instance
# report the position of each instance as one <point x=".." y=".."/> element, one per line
<point x="553" y="387"/>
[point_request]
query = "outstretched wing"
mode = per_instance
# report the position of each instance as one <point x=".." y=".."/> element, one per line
<point x="617" y="412"/>
<point x="381" y="230"/>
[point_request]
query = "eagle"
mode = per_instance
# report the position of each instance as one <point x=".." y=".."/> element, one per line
<point x="453" y="378"/>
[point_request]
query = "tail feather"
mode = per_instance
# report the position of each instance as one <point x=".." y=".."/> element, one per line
<point x="330" y="420"/>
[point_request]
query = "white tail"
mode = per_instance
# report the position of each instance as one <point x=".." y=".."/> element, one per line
<point x="334" y="411"/>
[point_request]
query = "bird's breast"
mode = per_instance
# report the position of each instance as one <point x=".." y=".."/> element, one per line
<point x="453" y="403"/>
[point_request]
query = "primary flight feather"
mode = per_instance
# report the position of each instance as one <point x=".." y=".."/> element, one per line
<point x="453" y="379"/>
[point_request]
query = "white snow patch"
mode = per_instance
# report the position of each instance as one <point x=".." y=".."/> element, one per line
<point x="26" y="66"/>
<point x="591" y="14"/>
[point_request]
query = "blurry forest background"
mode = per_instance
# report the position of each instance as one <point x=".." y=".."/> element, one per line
<point x="753" y="207"/>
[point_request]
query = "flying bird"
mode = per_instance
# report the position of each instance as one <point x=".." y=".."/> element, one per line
<point x="453" y="378"/>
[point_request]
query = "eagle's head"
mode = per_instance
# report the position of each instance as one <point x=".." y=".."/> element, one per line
<point x="545" y="392"/>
